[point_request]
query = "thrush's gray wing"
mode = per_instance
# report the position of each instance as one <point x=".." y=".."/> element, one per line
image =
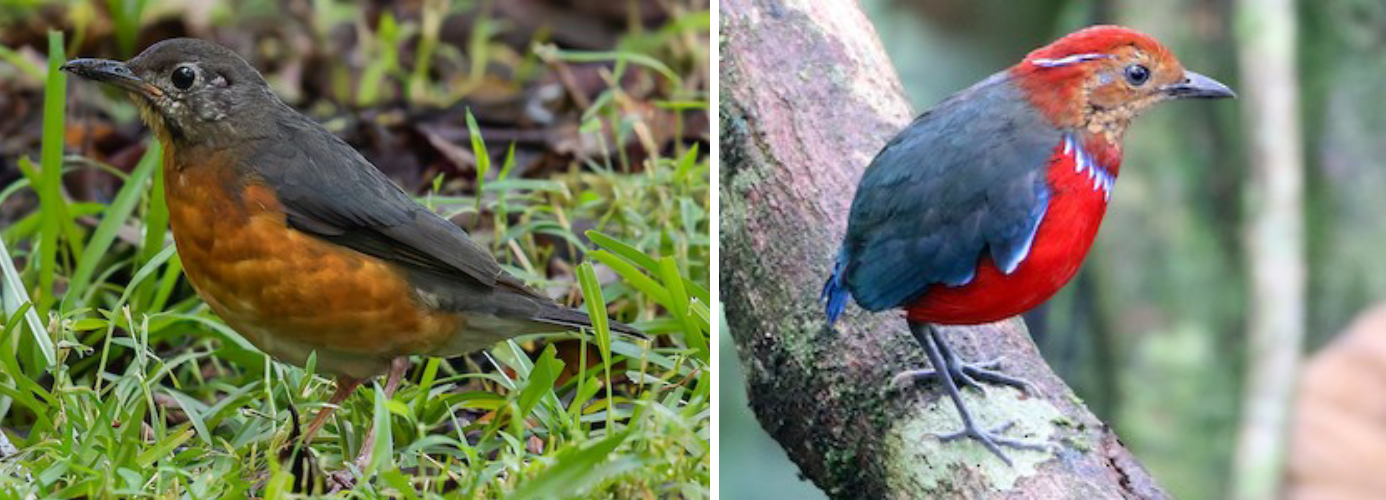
<point x="331" y="191"/>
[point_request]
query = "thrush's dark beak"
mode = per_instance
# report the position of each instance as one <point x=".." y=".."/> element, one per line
<point x="112" y="72"/>
<point x="1196" y="86"/>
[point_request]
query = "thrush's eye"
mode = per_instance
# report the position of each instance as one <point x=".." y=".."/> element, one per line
<point x="183" y="77"/>
<point x="1137" y="74"/>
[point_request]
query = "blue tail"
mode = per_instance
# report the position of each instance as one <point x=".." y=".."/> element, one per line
<point x="835" y="293"/>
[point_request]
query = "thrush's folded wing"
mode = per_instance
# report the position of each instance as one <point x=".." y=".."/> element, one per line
<point x="331" y="191"/>
<point x="965" y="178"/>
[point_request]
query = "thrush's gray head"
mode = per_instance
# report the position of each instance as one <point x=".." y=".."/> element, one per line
<point x="188" y="90"/>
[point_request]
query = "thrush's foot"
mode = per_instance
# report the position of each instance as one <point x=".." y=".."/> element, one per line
<point x="339" y="480"/>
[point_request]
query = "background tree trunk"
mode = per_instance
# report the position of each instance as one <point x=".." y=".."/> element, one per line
<point x="807" y="97"/>
<point x="1275" y="241"/>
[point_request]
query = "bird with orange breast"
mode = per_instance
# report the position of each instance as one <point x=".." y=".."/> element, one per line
<point x="302" y="245"/>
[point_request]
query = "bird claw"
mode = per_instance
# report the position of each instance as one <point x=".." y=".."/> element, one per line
<point x="963" y="379"/>
<point x="991" y="364"/>
<point x="987" y="372"/>
<point x="968" y="375"/>
<point x="339" y="480"/>
<point x="904" y="377"/>
<point x="992" y="440"/>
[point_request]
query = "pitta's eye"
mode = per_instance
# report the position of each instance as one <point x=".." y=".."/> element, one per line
<point x="1137" y="74"/>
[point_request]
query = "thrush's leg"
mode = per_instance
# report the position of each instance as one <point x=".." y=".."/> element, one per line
<point x="397" y="368"/>
<point x="991" y="439"/>
<point x="345" y="386"/>
<point x="965" y="374"/>
<point x="344" y="479"/>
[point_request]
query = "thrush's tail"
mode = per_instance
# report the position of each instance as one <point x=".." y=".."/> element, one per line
<point x="559" y="315"/>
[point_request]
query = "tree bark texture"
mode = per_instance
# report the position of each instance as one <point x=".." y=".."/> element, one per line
<point x="807" y="98"/>
<point x="1275" y="242"/>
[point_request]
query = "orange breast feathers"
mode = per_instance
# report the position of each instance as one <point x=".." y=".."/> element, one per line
<point x="1080" y="179"/>
<point x="287" y="292"/>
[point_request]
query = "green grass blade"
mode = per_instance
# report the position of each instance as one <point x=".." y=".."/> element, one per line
<point x="191" y="408"/>
<point x="116" y="215"/>
<point x="382" y="456"/>
<point x="14" y="285"/>
<point x="619" y="57"/>
<point x="156" y="222"/>
<point x="26" y="399"/>
<point x="400" y="483"/>
<point x="642" y="260"/>
<point x="15" y="59"/>
<point x="678" y="304"/>
<point x="155" y="228"/>
<point x="701" y="315"/>
<point x="430" y="374"/>
<point x="51" y="159"/>
<point x="508" y="164"/>
<point x="145" y="271"/>
<point x="633" y="276"/>
<point x="166" y="284"/>
<point x="619" y="247"/>
<point x="540" y="381"/>
<point x="483" y="159"/>
<point x="574" y="469"/>
<point x="127" y="22"/>
<point x="165" y="446"/>
<point x="596" y="310"/>
<point x="697" y="290"/>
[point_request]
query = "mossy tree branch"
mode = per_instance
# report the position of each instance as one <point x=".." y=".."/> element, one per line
<point x="807" y="97"/>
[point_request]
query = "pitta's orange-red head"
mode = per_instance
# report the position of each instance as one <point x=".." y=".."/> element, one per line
<point x="1098" y="79"/>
